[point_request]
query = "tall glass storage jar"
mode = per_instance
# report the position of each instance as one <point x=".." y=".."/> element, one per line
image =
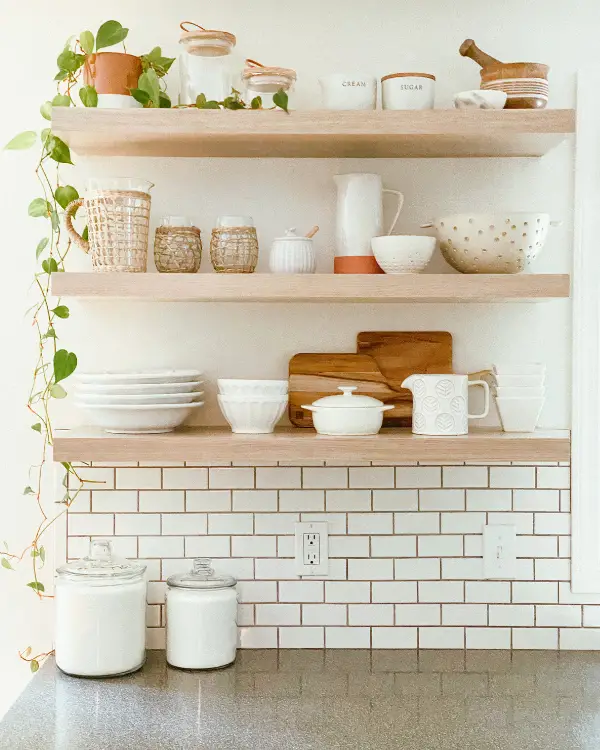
<point x="201" y="618"/>
<point x="100" y="611"/>
<point x="206" y="64"/>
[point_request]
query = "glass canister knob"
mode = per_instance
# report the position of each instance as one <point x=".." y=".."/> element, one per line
<point x="202" y="567"/>
<point x="100" y="549"/>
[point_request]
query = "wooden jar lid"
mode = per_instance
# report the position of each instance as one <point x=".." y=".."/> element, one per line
<point x="254" y="68"/>
<point x="408" y="75"/>
<point x="205" y="35"/>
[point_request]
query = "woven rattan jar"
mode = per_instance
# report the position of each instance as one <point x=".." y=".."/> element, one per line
<point x="118" y="220"/>
<point x="234" y="245"/>
<point x="177" y="246"/>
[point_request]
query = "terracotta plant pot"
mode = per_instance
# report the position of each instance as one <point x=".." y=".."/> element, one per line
<point x="112" y="72"/>
<point x="356" y="264"/>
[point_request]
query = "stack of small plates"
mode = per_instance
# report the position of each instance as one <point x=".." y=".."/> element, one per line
<point x="139" y="402"/>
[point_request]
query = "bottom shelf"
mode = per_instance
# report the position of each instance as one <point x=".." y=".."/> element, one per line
<point x="293" y="444"/>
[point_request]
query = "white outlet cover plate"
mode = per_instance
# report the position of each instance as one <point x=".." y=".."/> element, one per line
<point x="322" y="568"/>
<point x="499" y="551"/>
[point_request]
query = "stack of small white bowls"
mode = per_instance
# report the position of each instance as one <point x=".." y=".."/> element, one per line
<point x="252" y="406"/>
<point x="139" y="402"/>
<point x="520" y="395"/>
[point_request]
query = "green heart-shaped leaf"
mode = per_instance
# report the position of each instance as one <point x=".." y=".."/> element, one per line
<point x="64" y="364"/>
<point x="110" y="33"/>
<point x="39" y="207"/>
<point x="22" y="141"/>
<point x="86" y="39"/>
<point x="88" y="96"/>
<point x="65" y="194"/>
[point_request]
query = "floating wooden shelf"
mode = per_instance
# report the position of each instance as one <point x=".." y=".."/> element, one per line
<point x="210" y="287"/>
<point x="291" y="444"/>
<point x="321" y="133"/>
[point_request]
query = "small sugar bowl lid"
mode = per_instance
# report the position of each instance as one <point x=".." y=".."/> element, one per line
<point x="201" y="576"/>
<point x="291" y="235"/>
<point x="100" y="563"/>
<point x="348" y="400"/>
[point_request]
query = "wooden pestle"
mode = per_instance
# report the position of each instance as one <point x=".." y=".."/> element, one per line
<point x="469" y="49"/>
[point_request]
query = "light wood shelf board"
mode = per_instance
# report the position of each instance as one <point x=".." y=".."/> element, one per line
<point x="209" y="287"/>
<point x="314" y="134"/>
<point x="290" y="444"/>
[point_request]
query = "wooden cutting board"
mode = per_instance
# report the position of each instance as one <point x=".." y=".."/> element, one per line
<point x="383" y="361"/>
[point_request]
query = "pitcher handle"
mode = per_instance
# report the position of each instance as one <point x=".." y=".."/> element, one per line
<point x="72" y="232"/>
<point x="486" y="408"/>
<point x="400" y="205"/>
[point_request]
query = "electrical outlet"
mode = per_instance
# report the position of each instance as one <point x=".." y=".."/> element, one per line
<point x="499" y="551"/>
<point x="312" y="553"/>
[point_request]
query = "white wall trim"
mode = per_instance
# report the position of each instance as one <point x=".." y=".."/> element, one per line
<point x="585" y="460"/>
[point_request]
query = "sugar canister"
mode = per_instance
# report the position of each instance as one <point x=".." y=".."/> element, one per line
<point x="201" y="618"/>
<point x="100" y="610"/>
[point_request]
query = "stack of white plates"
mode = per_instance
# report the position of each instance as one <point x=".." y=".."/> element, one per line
<point x="139" y="402"/>
<point x="520" y="395"/>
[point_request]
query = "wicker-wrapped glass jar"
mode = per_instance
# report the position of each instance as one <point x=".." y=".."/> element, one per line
<point x="234" y="245"/>
<point x="177" y="246"/>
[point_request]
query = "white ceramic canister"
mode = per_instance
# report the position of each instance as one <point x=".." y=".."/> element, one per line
<point x="441" y="403"/>
<point x="408" y="91"/>
<point x="349" y="91"/>
<point x="100" y="613"/>
<point x="347" y="413"/>
<point x="201" y="618"/>
<point x="292" y="254"/>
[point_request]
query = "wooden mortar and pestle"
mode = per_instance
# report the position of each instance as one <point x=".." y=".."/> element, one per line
<point x="525" y="83"/>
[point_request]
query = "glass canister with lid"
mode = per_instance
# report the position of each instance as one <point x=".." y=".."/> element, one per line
<point x="264" y="81"/>
<point x="100" y="611"/>
<point x="206" y="63"/>
<point x="201" y="618"/>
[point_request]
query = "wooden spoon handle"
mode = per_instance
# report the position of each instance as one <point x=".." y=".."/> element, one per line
<point x="312" y="232"/>
<point x="469" y="49"/>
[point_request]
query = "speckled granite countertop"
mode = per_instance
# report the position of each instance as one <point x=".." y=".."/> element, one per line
<point x="321" y="700"/>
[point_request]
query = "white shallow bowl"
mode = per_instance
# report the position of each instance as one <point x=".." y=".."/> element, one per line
<point x="151" y="376"/>
<point x="133" y="389"/>
<point x="238" y="387"/>
<point x="519" y="392"/>
<point x="252" y="415"/>
<point x="403" y="253"/>
<point x="91" y="399"/>
<point x="519" y="414"/>
<point x="134" y="420"/>
<point x="520" y="368"/>
<point x="519" y="381"/>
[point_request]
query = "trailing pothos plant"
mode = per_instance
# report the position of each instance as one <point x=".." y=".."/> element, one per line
<point x="150" y="91"/>
<point x="54" y="364"/>
<point x="235" y="101"/>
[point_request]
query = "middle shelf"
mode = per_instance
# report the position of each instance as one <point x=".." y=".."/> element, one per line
<point x="267" y="287"/>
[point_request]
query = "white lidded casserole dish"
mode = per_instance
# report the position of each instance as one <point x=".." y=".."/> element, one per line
<point x="347" y="414"/>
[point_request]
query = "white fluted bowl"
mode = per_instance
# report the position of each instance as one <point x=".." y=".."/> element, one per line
<point x="251" y="388"/>
<point x="405" y="253"/>
<point x="252" y="415"/>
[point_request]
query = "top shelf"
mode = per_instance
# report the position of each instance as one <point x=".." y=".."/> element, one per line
<point x="312" y="134"/>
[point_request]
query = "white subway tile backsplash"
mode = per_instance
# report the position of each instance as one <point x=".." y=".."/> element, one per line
<point x="254" y="500"/>
<point x="162" y="501"/>
<point x="324" y="478"/>
<point x="301" y="500"/>
<point x="278" y="478"/>
<point x="393" y="546"/>
<point x="348" y="500"/>
<point x="579" y="639"/>
<point x="393" y="531"/>
<point x="324" y="614"/>
<point x="395" y="500"/>
<point x="225" y="478"/>
<point x="230" y="523"/>
<point x="418" y="614"/>
<point x="372" y="477"/>
<point x="418" y="476"/>
<point x="442" y="499"/>
<point x="184" y="523"/>
<point x="512" y="476"/>
<point x="115" y="501"/>
<point x="370" y="614"/>
<point x="138" y="479"/>
<point x="185" y="479"/>
<point x="370" y="523"/>
<point x="394" y="591"/>
<point x="208" y="500"/>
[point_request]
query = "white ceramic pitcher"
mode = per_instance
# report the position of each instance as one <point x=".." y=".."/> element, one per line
<point x="441" y="403"/>
<point x="359" y="219"/>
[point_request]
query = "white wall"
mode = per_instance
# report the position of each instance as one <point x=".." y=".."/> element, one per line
<point x="312" y="37"/>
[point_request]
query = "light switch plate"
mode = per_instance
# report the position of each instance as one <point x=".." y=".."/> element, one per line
<point x="312" y="549"/>
<point x="499" y="551"/>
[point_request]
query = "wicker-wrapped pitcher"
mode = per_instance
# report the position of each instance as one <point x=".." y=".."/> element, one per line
<point x="118" y="220"/>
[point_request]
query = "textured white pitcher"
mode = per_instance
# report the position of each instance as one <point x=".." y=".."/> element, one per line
<point x="360" y="212"/>
<point x="441" y="403"/>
